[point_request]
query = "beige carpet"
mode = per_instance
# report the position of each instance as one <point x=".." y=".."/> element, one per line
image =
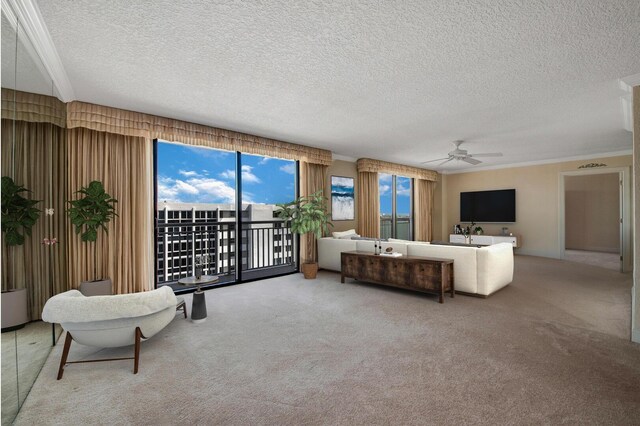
<point x="551" y="348"/>
<point x="595" y="258"/>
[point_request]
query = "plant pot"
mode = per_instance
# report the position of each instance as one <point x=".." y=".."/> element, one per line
<point x="310" y="270"/>
<point x="14" y="309"/>
<point x="96" y="288"/>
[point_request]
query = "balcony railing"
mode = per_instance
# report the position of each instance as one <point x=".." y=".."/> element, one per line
<point x="265" y="248"/>
<point x="403" y="227"/>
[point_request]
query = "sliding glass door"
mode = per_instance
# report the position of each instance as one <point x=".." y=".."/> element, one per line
<point x="207" y="213"/>
<point x="396" y="213"/>
<point x="267" y="243"/>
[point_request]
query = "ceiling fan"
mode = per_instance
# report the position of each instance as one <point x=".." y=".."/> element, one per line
<point x="463" y="155"/>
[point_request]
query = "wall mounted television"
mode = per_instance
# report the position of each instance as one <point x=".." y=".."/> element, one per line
<point x="497" y="206"/>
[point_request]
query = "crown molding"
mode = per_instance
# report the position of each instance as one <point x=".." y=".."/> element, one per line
<point x="344" y="158"/>
<point x="541" y="162"/>
<point x="630" y="81"/>
<point x="27" y="14"/>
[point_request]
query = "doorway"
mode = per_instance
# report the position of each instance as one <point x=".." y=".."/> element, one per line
<point x="593" y="218"/>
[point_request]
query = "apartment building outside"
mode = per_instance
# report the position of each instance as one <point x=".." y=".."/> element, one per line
<point x="188" y="231"/>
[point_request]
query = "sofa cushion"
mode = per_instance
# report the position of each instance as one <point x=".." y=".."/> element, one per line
<point x="465" y="270"/>
<point x="344" y="234"/>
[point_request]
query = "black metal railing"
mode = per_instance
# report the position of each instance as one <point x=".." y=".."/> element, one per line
<point x="403" y="227"/>
<point x="263" y="249"/>
<point x="268" y="244"/>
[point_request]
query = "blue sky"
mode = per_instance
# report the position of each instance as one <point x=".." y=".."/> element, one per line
<point x="403" y="194"/>
<point x="193" y="174"/>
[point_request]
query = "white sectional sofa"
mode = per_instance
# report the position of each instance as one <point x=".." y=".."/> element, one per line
<point x="480" y="271"/>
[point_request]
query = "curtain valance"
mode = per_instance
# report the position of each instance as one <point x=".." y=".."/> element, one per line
<point x="377" y="166"/>
<point x="33" y="108"/>
<point x="130" y="123"/>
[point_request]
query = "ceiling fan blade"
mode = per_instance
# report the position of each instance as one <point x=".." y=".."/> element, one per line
<point x="445" y="162"/>
<point x="471" y="161"/>
<point x="431" y="161"/>
<point x="487" y="154"/>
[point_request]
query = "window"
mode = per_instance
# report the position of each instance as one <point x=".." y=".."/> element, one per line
<point x="396" y="213"/>
<point x="198" y="216"/>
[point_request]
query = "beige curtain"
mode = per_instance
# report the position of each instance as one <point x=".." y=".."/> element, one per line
<point x="40" y="166"/>
<point x="129" y="123"/>
<point x="312" y="179"/>
<point x="377" y="166"/>
<point x="122" y="163"/>
<point x="423" y="209"/>
<point x="368" y="205"/>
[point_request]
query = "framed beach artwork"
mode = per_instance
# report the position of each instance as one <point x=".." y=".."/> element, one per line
<point x="342" y="198"/>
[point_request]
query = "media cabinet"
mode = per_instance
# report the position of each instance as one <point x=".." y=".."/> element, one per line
<point x="486" y="240"/>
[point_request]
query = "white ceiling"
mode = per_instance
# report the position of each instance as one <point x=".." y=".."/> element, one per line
<point x="392" y="80"/>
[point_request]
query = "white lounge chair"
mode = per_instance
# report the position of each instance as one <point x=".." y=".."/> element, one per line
<point x="110" y="321"/>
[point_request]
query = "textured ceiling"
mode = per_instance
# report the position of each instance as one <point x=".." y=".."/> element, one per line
<point x="393" y="80"/>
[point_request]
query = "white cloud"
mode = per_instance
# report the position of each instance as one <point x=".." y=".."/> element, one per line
<point x="213" y="190"/>
<point x="289" y="168"/>
<point x="248" y="176"/>
<point x="186" y="188"/>
<point x="383" y="177"/>
<point x="264" y="160"/>
<point x="384" y="189"/>
<point x="404" y="191"/>
<point x="203" y="190"/>
<point x="188" y="173"/>
<point x="228" y="174"/>
<point x="166" y="190"/>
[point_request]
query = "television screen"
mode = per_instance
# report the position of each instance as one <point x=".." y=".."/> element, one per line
<point x="488" y="206"/>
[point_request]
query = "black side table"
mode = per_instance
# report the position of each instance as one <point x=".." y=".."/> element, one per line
<point x="199" y="304"/>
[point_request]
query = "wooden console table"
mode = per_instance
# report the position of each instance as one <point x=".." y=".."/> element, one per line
<point x="425" y="274"/>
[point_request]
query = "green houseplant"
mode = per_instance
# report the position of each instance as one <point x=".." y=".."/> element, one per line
<point x="19" y="214"/>
<point x="90" y="214"/>
<point x="307" y="215"/>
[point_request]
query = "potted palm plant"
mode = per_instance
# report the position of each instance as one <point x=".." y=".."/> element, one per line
<point x="19" y="214"/>
<point x="307" y="215"/>
<point x="90" y="214"/>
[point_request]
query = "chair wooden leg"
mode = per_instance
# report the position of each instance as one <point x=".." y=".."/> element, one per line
<point x="184" y="310"/>
<point x="136" y="359"/>
<point x="65" y="354"/>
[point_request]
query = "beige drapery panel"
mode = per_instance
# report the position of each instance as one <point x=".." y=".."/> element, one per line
<point x="377" y="166"/>
<point x="40" y="165"/>
<point x="129" y="123"/>
<point x="312" y="179"/>
<point x="123" y="164"/>
<point x="368" y="205"/>
<point x="33" y="108"/>
<point x="423" y="209"/>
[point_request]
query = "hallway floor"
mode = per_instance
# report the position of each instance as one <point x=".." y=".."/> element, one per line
<point x="595" y="258"/>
